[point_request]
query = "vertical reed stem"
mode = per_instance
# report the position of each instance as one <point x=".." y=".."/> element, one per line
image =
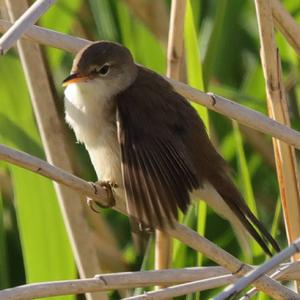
<point x="286" y="164"/>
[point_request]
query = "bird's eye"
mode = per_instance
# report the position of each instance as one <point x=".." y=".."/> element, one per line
<point x="103" y="70"/>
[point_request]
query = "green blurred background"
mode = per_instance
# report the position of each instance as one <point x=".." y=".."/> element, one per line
<point x="222" y="56"/>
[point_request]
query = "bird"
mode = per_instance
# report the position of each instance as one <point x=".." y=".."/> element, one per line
<point x="148" y="140"/>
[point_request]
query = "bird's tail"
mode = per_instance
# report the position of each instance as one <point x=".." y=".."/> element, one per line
<point x="237" y="212"/>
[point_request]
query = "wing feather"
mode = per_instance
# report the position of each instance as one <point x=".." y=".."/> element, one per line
<point x="162" y="190"/>
<point x="157" y="170"/>
<point x="166" y="154"/>
<point x="166" y="181"/>
<point x="180" y="185"/>
<point x="131" y="183"/>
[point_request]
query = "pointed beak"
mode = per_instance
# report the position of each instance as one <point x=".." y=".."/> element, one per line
<point x="73" y="78"/>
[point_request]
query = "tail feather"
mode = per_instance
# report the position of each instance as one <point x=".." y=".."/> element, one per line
<point x="260" y="238"/>
<point x="237" y="212"/>
<point x="244" y="209"/>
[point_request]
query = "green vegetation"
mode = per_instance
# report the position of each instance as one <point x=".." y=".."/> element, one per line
<point x="222" y="56"/>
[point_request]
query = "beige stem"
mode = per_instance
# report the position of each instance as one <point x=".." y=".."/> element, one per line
<point x="51" y="131"/>
<point x="180" y="232"/>
<point x="285" y="158"/>
<point x="163" y="245"/>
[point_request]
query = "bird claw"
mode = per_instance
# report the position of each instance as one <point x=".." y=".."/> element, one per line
<point x="145" y="228"/>
<point x="108" y="186"/>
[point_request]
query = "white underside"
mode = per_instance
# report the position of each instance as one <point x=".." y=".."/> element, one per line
<point x="85" y="111"/>
<point x="85" y="105"/>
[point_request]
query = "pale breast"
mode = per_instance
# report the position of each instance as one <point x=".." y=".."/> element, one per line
<point x="91" y="115"/>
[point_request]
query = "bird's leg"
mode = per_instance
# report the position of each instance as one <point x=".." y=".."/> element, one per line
<point x="108" y="186"/>
<point x="144" y="228"/>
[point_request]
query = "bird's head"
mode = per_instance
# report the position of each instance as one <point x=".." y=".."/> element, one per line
<point x="107" y="65"/>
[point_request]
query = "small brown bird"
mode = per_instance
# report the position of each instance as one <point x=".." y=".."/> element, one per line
<point x="146" y="138"/>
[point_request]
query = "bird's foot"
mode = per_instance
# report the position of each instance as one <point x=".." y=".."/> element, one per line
<point x="108" y="186"/>
<point x="145" y="228"/>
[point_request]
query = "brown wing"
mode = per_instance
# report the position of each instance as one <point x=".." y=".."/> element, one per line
<point x="157" y="171"/>
<point x="166" y="153"/>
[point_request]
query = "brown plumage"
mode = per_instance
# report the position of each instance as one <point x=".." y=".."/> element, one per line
<point x="165" y="154"/>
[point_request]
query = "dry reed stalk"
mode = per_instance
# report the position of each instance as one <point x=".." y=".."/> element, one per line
<point x="183" y="289"/>
<point x="180" y="232"/>
<point x="53" y="140"/>
<point x="192" y="239"/>
<point x="260" y="271"/>
<point x="163" y="245"/>
<point x="106" y="282"/>
<point x="39" y="166"/>
<point x="231" y="109"/>
<point x="49" y="37"/>
<point x="285" y="158"/>
<point x="163" y="251"/>
<point x="221" y="257"/>
<point x="286" y="24"/>
<point x="278" y="274"/>
<point x="175" y="41"/>
<point x="113" y="281"/>
<point x="241" y="114"/>
<point x="29" y="17"/>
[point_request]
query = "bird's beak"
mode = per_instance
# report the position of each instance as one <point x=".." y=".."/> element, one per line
<point x="73" y="78"/>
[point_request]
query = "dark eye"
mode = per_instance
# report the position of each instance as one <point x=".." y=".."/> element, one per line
<point x="103" y="70"/>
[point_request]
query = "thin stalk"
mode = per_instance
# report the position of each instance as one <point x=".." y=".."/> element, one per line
<point x="180" y="232"/>
<point x="163" y="245"/>
<point x="231" y="109"/>
<point x="29" y="17"/>
<point x="286" y="164"/>
<point x="53" y="140"/>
